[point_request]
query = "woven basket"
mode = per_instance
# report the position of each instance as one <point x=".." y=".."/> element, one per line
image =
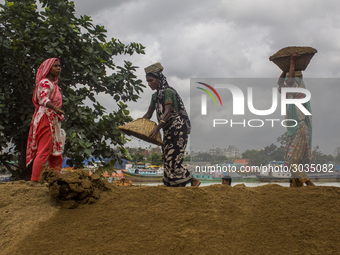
<point x="283" y="56"/>
<point x="141" y="129"/>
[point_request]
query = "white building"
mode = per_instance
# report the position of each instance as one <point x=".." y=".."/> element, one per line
<point x="232" y="151"/>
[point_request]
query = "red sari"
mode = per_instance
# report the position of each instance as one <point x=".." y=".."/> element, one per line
<point x="44" y="139"/>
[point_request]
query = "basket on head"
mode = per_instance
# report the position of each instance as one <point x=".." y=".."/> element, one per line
<point x="282" y="57"/>
<point x="141" y="129"/>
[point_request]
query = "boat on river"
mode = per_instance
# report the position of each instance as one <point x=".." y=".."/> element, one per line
<point x="6" y="177"/>
<point x="275" y="172"/>
<point x="144" y="174"/>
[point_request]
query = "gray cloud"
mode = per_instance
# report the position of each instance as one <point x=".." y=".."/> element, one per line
<point x="216" y="39"/>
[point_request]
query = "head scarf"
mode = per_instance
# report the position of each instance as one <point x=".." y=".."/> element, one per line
<point x="155" y="71"/>
<point x="154" y="68"/>
<point x="292" y="112"/>
<point x="43" y="71"/>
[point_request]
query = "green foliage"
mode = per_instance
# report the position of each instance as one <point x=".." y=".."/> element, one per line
<point x="282" y="139"/>
<point x="272" y="152"/>
<point x="137" y="157"/>
<point x="156" y="159"/>
<point x="262" y="157"/>
<point x="218" y="159"/>
<point x="187" y="158"/>
<point x="320" y="158"/>
<point x="202" y="157"/>
<point x="27" y="38"/>
<point x="213" y="159"/>
<point x="337" y="159"/>
<point x="256" y="157"/>
<point x="109" y="168"/>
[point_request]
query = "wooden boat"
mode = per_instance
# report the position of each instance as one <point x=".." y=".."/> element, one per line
<point x="285" y="176"/>
<point x="143" y="175"/>
<point x="6" y="177"/>
<point x="273" y="178"/>
<point x="234" y="176"/>
<point x="274" y="172"/>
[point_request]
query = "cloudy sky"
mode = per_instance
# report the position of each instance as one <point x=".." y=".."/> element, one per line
<point x="224" y="39"/>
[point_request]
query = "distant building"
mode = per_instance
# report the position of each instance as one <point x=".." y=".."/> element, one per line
<point x="242" y="161"/>
<point x="156" y="150"/>
<point x="145" y="153"/>
<point x="216" y="151"/>
<point x="336" y="151"/>
<point x="232" y="151"/>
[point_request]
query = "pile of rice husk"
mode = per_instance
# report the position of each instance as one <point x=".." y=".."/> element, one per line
<point x="282" y="57"/>
<point x="73" y="188"/>
<point x="216" y="219"/>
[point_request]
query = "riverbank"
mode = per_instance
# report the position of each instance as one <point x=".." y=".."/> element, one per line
<point x="215" y="219"/>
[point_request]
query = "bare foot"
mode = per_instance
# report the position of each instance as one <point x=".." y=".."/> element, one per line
<point x="195" y="182"/>
<point x="309" y="183"/>
<point x="36" y="184"/>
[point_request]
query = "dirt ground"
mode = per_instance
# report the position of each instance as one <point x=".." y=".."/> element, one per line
<point x="215" y="219"/>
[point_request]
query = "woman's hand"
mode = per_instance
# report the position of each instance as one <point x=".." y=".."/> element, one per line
<point x="58" y="110"/>
<point x="55" y="108"/>
<point x="294" y="56"/>
<point x="149" y="113"/>
<point x="154" y="133"/>
<point x="291" y="75"/>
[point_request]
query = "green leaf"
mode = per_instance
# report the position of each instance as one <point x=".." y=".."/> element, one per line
<point x="88" y="152"/>
<point x="59" y="50"/>
<point x="9" y="4"/>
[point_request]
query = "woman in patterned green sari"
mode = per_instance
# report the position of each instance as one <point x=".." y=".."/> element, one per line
<point x="173" y="119"/>
<point x="299" y="140"/>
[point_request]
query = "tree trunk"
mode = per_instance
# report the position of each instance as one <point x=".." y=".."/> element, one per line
<point x="20" y="171"/>
<point x="26" y="172"/>
<point x="13" y="170"/>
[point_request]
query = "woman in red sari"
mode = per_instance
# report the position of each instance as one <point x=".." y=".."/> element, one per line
<point x="44" y="139"/>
